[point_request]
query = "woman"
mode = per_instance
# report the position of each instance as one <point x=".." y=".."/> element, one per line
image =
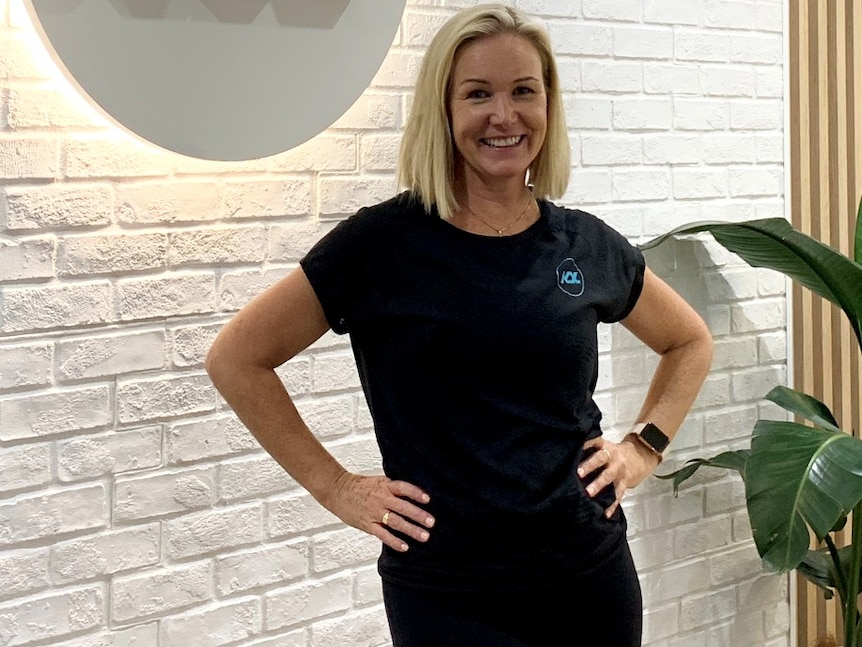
<point x="472" y="304"/>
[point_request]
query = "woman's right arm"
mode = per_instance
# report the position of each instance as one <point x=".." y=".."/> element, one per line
<point x="271" y="329"/>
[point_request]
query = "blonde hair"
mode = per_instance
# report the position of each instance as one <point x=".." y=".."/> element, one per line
<point x="427" y="156"/>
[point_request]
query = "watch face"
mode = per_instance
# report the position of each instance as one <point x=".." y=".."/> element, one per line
<point x="655" y="437"/>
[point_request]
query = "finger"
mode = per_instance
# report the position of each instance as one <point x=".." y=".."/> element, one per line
<point x="408" y="490"/>
<point x="405" y="527"/>
<point x="603" y="480"/>
<point x="619" y="490"/>
<point x="598" y="459"/>
<point x="388" y="538"/>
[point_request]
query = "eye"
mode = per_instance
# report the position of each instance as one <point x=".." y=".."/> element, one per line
<point x="524" y="90"/>
<point x="478" y="94"/>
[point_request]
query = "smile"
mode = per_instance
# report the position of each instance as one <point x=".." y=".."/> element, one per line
<point x="503" y="142"/>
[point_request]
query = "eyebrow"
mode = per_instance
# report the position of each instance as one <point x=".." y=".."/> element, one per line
<point x="486" y="82"/>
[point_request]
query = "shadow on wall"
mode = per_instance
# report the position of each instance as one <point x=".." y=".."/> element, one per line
<point x="310" y="14"/>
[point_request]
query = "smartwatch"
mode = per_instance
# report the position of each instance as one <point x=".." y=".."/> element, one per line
<point x="651" y="437"/>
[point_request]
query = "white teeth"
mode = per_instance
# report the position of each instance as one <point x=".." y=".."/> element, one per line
<point x="503" y="141"/>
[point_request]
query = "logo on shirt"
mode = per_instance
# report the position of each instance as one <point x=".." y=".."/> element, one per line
<point x="569" y="278"/>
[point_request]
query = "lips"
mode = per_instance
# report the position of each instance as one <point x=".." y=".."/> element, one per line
<point x="502" y="142"/>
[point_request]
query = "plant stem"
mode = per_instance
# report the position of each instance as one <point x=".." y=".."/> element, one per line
<point x="851" y="608"/>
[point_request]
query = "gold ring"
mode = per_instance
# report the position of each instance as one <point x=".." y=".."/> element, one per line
<point x="386" y="518"/>
<point x="607" y="453"/>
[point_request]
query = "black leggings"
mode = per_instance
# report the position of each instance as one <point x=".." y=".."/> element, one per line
<point x="601" y="608"/>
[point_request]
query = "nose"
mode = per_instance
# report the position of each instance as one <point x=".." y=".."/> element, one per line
<point x="502" y="110"/>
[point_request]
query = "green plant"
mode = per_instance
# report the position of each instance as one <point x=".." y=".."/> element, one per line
<point x="799" y="477"/>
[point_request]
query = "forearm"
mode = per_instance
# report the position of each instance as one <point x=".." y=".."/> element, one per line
<point x="258" y="397"/>
<point x="676" y="383"/>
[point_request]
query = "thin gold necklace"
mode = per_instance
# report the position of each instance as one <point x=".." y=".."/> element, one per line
<point x="511" y="224"/>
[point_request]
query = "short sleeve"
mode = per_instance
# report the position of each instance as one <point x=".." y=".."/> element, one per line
<point x="624" y="267"/>
<point x="331" y="267"/>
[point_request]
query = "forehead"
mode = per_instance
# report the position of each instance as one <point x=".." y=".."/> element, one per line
<point x="497" y="57"/>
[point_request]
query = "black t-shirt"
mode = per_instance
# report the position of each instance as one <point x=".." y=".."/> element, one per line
<point x="478" y="357"/>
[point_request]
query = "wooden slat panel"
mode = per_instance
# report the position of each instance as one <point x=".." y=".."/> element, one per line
<point x="825" y="102"/>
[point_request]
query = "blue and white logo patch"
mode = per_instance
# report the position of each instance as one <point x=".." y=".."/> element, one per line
<point x="569" y="278"/>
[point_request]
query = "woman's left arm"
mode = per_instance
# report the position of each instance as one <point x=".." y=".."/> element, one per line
<point x="670" y="327"/>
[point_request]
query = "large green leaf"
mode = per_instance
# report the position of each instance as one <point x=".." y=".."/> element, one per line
<point x="798" y="477"/>
<point x="803" y="405"/>
<point x="733" y="460"/>
<point x="773" y="243"/>
<point x="857" y="245"/>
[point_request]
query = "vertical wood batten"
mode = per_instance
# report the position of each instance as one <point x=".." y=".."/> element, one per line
<point x="825" y="94"/>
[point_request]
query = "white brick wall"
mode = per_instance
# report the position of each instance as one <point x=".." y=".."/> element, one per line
<point x="135" y="508"/>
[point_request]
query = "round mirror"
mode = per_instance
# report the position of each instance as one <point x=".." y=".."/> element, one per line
<point x="220" y="79"/>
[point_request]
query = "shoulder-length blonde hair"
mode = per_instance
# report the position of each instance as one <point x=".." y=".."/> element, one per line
<point x="427" y="156"/>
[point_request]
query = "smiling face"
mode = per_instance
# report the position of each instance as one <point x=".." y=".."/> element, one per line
<point x="498" y="109"/>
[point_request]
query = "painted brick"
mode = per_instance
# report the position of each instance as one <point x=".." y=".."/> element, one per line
<point x="756" y="115"/>
<point x="188" y="442"/>
<point x="163" y="297"/>
<point x="642" y="114"/>
<point x="703" y="609"/>
<point x="617" y="10"/>
<point x="56" y="206"/>
<point x="108" y="355"/>
<point x="113" y="453"/>
<point x="136" y="597"/>
<point x="757" y="382"/>
<point x="115" y="156"/>
<point x="643" y="43"/>
<point x="26" y="365"/>
<point x="705" y="46"/>
<point x="26" y="259"/>
<point x="589" y="113"/>
<point x="223" y="625"/>
<point x="87" y="255"/>
<point x="756" y="49"/>
<point x="23" y="572"/>
<point x="69" y="612"/>
<point x="729" y="81"/>
<point x="601" y="76"/>
<point x="671" y="149"/>
<point x="296" y="638"/>
<point x="379" y="152"/>
<point x="763" y="314"/>
<point x="367" y="628"/>
<point x="17" y="61"/>
<point x="675" y="581"/>
<point x="31" y="158"/>
<point x="334" y="372"/>
<point x="734" y="352"/>
<point x="267" y="566"/>
<point x="213" y="531"/>
<point x="50" y="306"/>
<point x="754" y="182"/>
<point x="190" y="344"/>
<point x="699" y="183"/>
<point x="306" y="601"/>
<point x="39" y="108"/>
<point x="295" y="514"/>
<point x="360" y="455"/>
<point x="148" y="203"/>
<point x="371" y="111"/>
<point x="48" y="515"/>
<point x="24" y="467"/>
<point x="254" y="477"/>
<point x="641" y="185"/>
<point x="288" y="197"/>
<point x="330" y="417"/>
<point x="677" y="79"/>
<point x="581" y="39"/>
<point x="45" y="414"/>
<point x="611" y="150"/>
<point x="346" y="195"/>
<point x="105" y="554"/>
<point x="162" y="493"/>
<point x="162" y="397"/>
<point x="323" y="153"/>
<point x="367" y="589"/>
<point x="691" y="540"/>
<point x="290" y="241"/>
<point x="729" y="148"/>
<point x="343" y="549"/>
<point x="219" y="247"/>
<point x="700" y="114"/>
<point x="239" y="287"/>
